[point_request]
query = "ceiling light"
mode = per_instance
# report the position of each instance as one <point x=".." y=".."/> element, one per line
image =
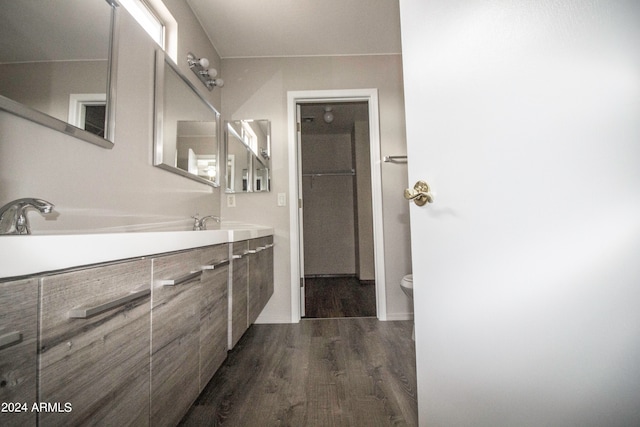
<point x="328" y="115"/>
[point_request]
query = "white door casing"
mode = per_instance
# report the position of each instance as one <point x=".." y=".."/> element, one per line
<point x="524" y="121"/>
<point x="344" y="95"/>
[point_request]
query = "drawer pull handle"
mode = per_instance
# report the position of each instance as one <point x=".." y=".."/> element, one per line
<point x="87" y="312"/>
<point x="252" y="251"/>
<point x="268" y="246"/>
<point x="213" y="265"/>
<point x="180" y="280"/>
<point x="10" y="338"/>
<point x="238" y="256"/>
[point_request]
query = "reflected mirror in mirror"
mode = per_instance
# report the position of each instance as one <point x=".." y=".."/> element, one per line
<point x="60" y="66"/>
<point x="248" y="148"/>
<point x="238" y="161"/>
<point x="186" y="127"/>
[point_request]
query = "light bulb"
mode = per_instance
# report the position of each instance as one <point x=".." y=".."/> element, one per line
<point x="328" y="117"/>
<point x="219" y="82"/>
<point x="204" y="62"/>
<point x="211" y="72"/>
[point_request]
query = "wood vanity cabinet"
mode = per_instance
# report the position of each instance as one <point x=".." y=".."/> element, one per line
<point x="189" y="321"/>
<point x="238" y="301"/>
<point x="18" y="346"/>
<point x="175" y="336"/>
<point x="261" y="284"/>
<point x="214" y="310"/>
<point x="94" y="345"/>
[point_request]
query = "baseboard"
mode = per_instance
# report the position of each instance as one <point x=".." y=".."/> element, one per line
<point x="399" y="316"/>
<point x="262" y="320"/>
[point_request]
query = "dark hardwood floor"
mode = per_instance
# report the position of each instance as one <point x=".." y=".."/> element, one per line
<point x="320" y="372"/>
<point x="329" y="297"/>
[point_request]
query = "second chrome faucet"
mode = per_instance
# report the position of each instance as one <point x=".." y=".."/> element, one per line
<point x="201" y="223"/>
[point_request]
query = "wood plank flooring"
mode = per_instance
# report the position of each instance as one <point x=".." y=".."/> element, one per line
<point x="320" y="372"/>
<point x="329" y="297"/>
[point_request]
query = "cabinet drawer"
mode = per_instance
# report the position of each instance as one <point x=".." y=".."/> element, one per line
<point x="94" y="345"/>
<point x="18" y="349"/>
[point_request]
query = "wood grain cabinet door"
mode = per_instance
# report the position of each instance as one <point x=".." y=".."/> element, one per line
<point x="254" y="293"/>
<point x="94" y="346"/>
<point x="238" y="296"/>
<point x="266" y="270"/>
<point x="214" y="310"/>
<point x="260" y="275"/>
<point x="175" y="340"/>
<point x="18" y="351"/>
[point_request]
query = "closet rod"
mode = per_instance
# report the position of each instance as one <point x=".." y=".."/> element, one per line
<point x="336" y="173"/>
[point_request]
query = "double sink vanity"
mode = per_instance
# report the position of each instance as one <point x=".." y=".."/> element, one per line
<point x="122" y="328"/>
<point x="126" y="328"/>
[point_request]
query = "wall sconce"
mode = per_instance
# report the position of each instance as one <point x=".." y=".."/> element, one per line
<point x="200" y="67"/>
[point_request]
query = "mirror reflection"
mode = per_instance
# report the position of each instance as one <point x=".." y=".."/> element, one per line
<point x="57" y="64"/>
<point x="186" y="129"/>
<point x="248" y="154"/>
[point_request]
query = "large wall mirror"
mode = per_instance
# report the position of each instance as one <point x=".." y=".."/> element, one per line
<point x="186" y="138"/>
<point x="57" y="65"/>
<point x="248" y="154"/>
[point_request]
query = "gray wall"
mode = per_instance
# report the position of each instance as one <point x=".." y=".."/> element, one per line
<point x="257" y="88"/>
<point x="46" y="86"/>
<point x="329" y="222"/>
<point x="98" y="189"/>
<point x="108" y="190"/>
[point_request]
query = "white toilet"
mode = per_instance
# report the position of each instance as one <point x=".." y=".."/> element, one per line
<point x="407" y="287"/>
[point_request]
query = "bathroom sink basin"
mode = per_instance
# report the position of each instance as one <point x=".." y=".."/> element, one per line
<point x="240" y="231"/>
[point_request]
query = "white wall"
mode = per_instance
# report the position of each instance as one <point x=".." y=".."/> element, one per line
<point x="365" y="253"/>
<point x="257" y="88"/>
<point x="525" y="118"/>
<point x="94" y="188"/>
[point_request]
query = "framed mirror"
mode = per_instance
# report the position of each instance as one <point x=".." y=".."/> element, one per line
<point x="186" y="127"/>
<point x="58" y="70"/>
<point x="248" y="154"/>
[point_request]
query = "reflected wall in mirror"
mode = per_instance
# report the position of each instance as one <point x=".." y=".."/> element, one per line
<point x="248" y="153"/>
<point x="57" y="65"/>
<point x="186" y="126"/>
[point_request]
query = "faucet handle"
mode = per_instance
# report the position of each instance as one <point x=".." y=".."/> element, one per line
<point x="197" y="225"/>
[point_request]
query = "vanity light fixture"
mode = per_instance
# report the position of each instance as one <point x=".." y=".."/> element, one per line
<point x="200" y="67"/>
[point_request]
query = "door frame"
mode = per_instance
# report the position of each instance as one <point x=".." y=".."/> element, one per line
<point x="295" y="176"/>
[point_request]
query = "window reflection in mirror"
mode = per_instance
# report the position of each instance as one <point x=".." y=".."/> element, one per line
<point x="248" y="148"/>
<point x="50" y="59"/>
<point x="186" y="128"/>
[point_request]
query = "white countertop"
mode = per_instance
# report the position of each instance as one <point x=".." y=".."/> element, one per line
<point x="32" y="254"/>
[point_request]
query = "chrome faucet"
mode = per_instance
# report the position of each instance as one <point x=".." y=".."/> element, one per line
<point x="13" y="215"/>
<point x="201" y="223"/>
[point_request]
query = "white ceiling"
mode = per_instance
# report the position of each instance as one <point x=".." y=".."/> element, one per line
<point x="255" y="28"/>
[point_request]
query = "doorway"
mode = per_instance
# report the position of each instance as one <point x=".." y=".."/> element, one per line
<point x="337" y="222"/>
<point x="366" y="99"/>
